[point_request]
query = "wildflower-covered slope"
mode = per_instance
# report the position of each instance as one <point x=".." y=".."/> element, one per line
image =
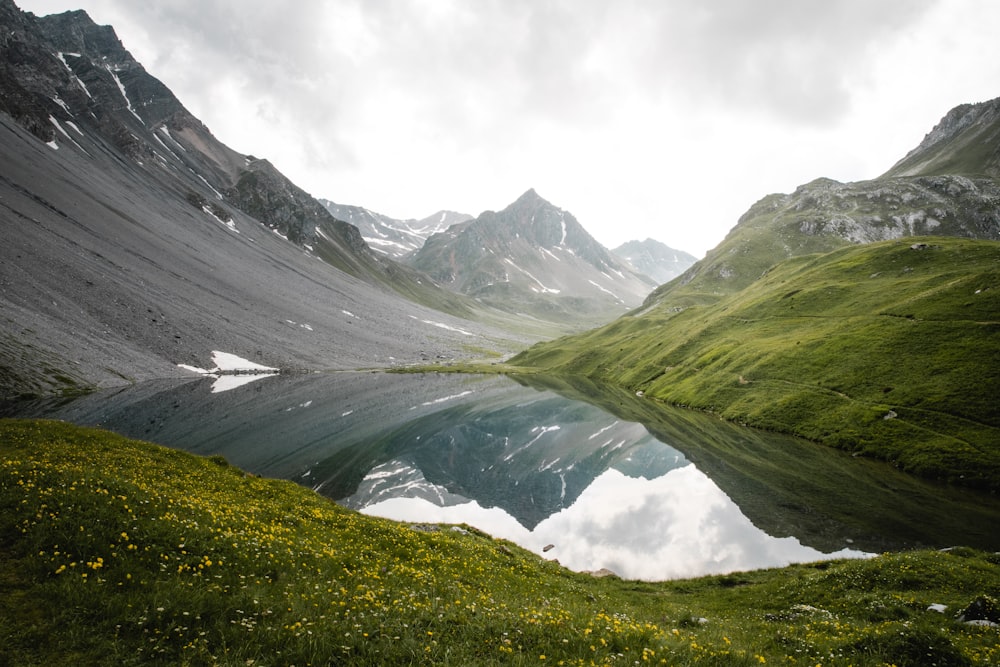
<point x="115" y="551"/>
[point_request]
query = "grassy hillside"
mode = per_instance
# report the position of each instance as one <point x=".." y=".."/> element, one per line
<point x="824" y="215"/>
<point x="121" y="552"/>
<point x="890" y="350"/>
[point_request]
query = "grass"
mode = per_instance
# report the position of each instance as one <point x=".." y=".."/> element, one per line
<point x="116" y="551"/>
<point x="883" y="350"/>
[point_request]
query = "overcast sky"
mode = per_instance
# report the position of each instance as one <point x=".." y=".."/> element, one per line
<point x="643" y="118"/>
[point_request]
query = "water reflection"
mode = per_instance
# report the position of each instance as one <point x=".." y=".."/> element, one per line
<point x="612" y="481"/>
<point x="677" y="525"/>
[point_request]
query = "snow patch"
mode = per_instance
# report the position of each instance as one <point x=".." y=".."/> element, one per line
<point x="52" y="119"/>
<point x="121" y="87"/>
<point x="228" y="223"/>
<point x="541" y="431"/>
<point x="606" y="428"/>
<point x="229" y="382"/>
<point x="230" y="363"/>
<point x="217" y="193"/>
<point x="446" y="398"/>
<point x="62" y="58"/>
<point x="603" y="289"/>
<point x="444" y="326"/>
<point x="542" y="288"/>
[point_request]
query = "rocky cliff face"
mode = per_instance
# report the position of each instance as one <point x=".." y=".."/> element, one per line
<point x="533" y="257"/>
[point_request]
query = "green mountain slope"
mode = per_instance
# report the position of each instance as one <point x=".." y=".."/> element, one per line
<point x="890" y="350"/>
<point x="965" y="141"/>
<point x="824" y="215"/>
<point x="120" y="552"/>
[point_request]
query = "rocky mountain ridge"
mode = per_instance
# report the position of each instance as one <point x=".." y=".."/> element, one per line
<point x="532" y="257"/>
<point x="393" y="237"/>
<point x="966" y="141"/>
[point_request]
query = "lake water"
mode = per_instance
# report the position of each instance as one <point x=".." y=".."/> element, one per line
<point x="593" y="477"/>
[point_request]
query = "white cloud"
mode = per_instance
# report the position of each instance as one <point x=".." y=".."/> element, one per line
<point x="641" y="117"/>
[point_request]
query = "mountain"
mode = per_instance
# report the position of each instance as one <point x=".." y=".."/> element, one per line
<point x="134" y="240"/>
<point x="657" y="260"/>
<point x="966" y="141"/>
<point x="395" y="238"/>
<point x="946" y="186"/>
<point x="532" y="258"/>
<point x="824" y="314"/>
<point x="824" y="215"/>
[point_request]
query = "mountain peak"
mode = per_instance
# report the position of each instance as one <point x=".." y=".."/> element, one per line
<point x="532" y="257"/>
<point x="963" y="142"/>
<point x="530" y="197"/>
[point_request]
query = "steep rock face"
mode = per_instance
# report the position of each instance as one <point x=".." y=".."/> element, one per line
<point x="655" y="259"/>
<point x="395" y="238"/>
<point x="532" y="257"/>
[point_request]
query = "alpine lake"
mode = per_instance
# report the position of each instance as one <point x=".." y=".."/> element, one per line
<point x="594" y="477"/>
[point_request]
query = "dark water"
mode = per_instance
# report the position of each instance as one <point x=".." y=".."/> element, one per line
<point x="608" y="479"/>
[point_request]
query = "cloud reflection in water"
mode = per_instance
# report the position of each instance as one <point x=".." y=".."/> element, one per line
<point x="677" y="525"/>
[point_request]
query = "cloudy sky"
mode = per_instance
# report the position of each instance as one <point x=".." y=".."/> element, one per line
<point x="643" y="118"/>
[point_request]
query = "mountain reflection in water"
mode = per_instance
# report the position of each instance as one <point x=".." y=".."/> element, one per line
<point x="568" y="464"/>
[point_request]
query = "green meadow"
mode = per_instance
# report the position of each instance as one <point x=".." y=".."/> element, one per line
<point x="889" y="350"/>
<point x="117" y="551"/>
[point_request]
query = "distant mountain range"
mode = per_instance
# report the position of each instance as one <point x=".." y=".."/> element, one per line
<point x="533" y="258"/>
<point x="657" y="260"/>
<point x="396" y="238"/>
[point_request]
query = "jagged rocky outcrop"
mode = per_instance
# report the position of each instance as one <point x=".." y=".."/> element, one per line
<point x="533" y="257"/>
<point x="655" y="259"/>
<point x="393" y="237"/>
